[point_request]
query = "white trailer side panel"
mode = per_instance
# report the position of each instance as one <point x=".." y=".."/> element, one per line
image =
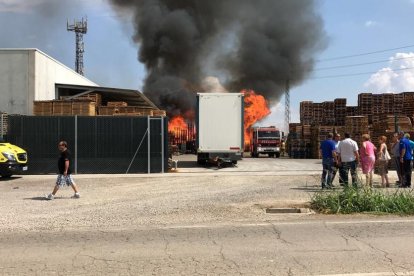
<point x="220" y="122"/>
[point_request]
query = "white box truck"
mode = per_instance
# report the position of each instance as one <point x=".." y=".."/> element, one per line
<point x="220" y="126"/>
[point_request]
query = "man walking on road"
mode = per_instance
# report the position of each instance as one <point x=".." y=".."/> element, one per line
<point x="348" y="159"/>
<point x="64" y="177"/>
<point x="328" y="161"/>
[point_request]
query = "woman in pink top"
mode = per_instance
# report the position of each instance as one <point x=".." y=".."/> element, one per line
<point x="367" y="153"/>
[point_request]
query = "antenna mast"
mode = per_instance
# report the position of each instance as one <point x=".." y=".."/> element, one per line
<point x="80" y="28"/>
<point x="287" y="106"/>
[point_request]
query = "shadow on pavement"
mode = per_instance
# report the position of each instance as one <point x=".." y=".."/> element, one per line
<point x="9" y="178"/>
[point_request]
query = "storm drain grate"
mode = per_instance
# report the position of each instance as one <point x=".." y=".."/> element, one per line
<point x="287" y="210"/>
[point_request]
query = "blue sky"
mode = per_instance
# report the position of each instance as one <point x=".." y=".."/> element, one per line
<point x="352" y="26"/>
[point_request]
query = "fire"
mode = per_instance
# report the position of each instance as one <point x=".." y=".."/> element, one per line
<point x="177" y="124"/>
<point x="255" y="109"/>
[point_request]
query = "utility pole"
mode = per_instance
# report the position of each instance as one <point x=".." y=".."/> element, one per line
<point x="80" y="28"/>
<point x="287" y="107"/>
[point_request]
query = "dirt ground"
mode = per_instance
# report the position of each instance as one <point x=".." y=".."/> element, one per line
<point x="190" y="196"/>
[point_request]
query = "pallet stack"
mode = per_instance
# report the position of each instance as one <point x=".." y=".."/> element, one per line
<point x="357" y="126"/>
<point x="91" y="105"/>
<point x="328" y="113"/>
<point x="408" y="107"/>
<point x="306" y="112"/>
<point x="388" y="103"/>
<point x="377" y="108"/>
<point x="124" y="111"/>
<point x="340" y="111"/>
<point x="374" y="115"/>
<point x="365" y="104"/>
<point x="398" y="104"/>
<point x="43" y="108"/>
<point x="64" y="108"/>
<point x="318" y="113"/>
<point x="351" y="111"/>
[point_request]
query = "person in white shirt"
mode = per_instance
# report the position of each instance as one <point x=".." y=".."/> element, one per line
<point x="348" y="160"/>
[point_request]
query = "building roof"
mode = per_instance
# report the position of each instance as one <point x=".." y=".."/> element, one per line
<point x="6" y="50"/>
<point x="131" y="97"/>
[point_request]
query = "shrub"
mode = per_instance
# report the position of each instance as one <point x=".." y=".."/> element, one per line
<point x="357" y="200"/>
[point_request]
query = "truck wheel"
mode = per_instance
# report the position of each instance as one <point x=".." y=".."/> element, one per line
<point x="271" y="155"/>
<point x="277" y="154"/>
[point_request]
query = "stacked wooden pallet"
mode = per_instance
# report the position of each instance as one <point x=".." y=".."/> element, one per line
<point x="319" y="133"/>
<point x="116" y="104"/>
<point x="64" y="108"/>
<point x="356" y="126"/>
<point x="306" y="112"/>
<point x="317" y="113"/>
<point x="365" y="103"/>
<point x="328" y="113"/>
<point x="307" y="132"/>
<point x="351" y="111"/>
<point x="398" y="104"/>
<point x="388" y="103"/>
<point x="43" y="108"/>
<point x="91" y="105"/>
<point x="124" y="111"/>
<point x="340" y="111"/>
<point x="83" y="108"/>
<point x="408" y="107"/>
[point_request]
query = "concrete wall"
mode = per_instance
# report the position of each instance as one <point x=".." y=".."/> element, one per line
<point x="14" y="81"/>
<point x="29" y="74"/>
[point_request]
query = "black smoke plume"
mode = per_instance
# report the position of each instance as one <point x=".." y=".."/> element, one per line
<point x="246" y="44"/>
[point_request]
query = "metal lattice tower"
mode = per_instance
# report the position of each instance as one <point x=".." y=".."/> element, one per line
<point x="287" y="106"/>
<point x="80" y="28"/>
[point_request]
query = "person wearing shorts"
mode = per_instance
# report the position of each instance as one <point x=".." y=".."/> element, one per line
<point x="64" y="177"/>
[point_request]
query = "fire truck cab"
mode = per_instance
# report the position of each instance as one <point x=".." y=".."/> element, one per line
<point x="266" y="140"/>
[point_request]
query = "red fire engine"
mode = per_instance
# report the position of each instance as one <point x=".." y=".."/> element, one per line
<point x="266" y="140"/>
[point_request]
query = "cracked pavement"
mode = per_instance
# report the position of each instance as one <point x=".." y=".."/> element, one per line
<point x="194" y="222"/>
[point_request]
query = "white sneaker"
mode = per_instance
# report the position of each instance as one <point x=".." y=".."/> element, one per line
<point x="50" y="196"/>
<point x="76" y="195"/>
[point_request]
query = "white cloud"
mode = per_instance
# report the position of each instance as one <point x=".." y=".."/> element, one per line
<point x="389" y="79"/>
<point x="19" y="6"/>
<point x="371" y="23"/>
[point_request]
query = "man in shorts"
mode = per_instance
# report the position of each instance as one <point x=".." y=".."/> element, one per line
<point x="64" y="178"/>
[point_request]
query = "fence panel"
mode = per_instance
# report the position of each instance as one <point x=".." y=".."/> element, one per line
<point x="98" y="144"/>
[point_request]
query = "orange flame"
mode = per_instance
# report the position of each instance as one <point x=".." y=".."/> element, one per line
<point x="255" y="109"/>
<point x="177" y="124"/>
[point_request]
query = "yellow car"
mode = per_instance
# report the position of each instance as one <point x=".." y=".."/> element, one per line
<point x="13" y="160"/>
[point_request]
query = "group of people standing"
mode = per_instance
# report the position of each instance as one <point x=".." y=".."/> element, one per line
<point x="345" y="156"/>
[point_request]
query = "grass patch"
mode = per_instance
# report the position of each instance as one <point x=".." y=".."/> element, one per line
<point x="358" y="200"/>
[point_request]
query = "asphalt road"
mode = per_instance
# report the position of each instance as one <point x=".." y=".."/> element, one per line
<point x="196" y="221"/>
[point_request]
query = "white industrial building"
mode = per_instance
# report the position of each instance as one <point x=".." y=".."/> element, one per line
<point x="28" y="75"/>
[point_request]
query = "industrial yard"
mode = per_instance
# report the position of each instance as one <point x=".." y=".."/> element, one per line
<point x="195" y="220"/>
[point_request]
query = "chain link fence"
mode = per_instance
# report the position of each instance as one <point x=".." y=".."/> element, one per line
<point x="98" y="144"/>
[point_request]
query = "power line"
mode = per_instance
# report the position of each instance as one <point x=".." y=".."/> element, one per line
<point x="364" y="54"/>
<point x="357" y="74"/>
<point x="359" y="64"/>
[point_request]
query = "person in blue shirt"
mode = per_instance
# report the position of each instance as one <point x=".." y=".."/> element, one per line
<point x="406" y="157"/>
<point x="328" y="152"/>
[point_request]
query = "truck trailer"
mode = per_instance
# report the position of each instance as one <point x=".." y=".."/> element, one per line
<point x="219" y="124"/>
